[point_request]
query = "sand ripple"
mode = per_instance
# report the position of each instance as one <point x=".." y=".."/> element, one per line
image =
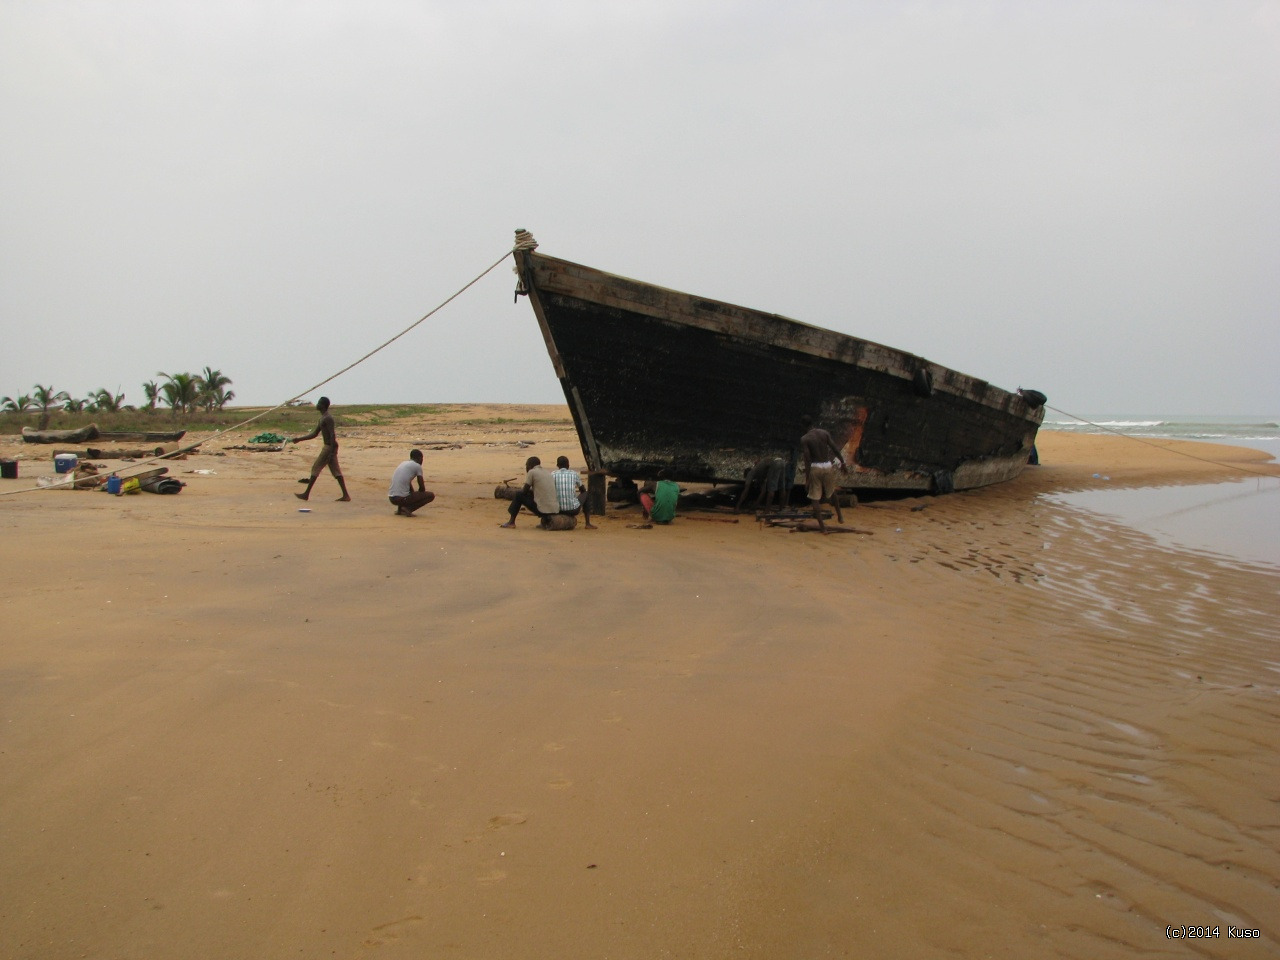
<point x="1103" y="770"/>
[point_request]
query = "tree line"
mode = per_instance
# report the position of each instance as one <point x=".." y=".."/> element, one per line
<point x="181" y="392"/>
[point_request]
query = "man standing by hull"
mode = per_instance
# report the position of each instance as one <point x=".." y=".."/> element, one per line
<point x="821" y="455"/>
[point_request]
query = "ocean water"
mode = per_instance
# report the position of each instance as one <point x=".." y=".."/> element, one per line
<point x="1262" y="433"/>
<point x="1239" y="520"/>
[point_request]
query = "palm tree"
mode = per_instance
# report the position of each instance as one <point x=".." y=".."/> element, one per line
<point x="72" y="405"/>
<point x="212" y="389"/>
<point x="151" y="390"/>
<point x="19" y="404"/>
<point x="180" y="391"/>
<point x="45" y="398"/>
<point x="106" y="401"/>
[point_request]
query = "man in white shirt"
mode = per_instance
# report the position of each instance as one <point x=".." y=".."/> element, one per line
<point x="402" y="494"/>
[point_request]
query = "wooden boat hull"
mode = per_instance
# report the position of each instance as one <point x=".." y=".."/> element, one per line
<point x="661" y="380"/>
<point x="91" y="432"/>
<point x="78" y="435"/>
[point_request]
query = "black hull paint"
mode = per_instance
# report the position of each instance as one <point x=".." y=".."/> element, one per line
<point x="658" y="380"/>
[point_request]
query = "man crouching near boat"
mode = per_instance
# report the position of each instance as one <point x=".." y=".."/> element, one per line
<point x="820" y="457"/>
<point x="402" y="495"/>
<point x="538" y="495"/>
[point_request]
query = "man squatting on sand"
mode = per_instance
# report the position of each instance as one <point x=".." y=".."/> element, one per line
<point x="658" y="499"/>
<point x="538" y="495"/>
<point x="402" y="494"/>
<point x="328" y="453"/>
<point x="818" y="450"/>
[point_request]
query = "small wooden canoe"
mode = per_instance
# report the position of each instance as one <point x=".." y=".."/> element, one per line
<point x="91" y="432"/>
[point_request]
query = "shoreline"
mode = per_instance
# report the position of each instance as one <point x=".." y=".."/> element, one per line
<point x="1233" y="520"/>
<point x="990" y="718"/>
<point x="1228" y="518"/>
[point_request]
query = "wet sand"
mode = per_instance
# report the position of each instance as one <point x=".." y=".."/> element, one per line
<point x="990" y="725"/>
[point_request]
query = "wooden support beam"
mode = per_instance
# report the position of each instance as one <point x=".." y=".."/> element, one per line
<point x="597" y="481"/>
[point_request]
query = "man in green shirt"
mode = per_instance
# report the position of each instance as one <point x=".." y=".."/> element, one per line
<point x="659" y="499"/>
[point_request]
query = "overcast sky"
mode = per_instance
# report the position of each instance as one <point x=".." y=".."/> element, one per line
<point x="1079" y="197"/>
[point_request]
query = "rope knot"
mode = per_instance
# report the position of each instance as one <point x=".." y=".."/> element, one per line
<point x="525" y="241"/>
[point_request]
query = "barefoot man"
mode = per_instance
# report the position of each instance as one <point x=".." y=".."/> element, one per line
<point x="820" y="457"/>
<point x="402" y="495"/>
<point x="571" y="493"/>
<point x="328" y="453"/>
<point x="538" y="495"/>
<point x="770" y="473"/>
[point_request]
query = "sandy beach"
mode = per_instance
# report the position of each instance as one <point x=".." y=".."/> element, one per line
<point x="986" y="725"/>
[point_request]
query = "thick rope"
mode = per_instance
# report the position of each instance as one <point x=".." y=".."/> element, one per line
<point x="522" y="243"/>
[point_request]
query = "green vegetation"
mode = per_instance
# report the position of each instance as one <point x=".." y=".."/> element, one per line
<point x="19" y="404"/>
<point x="290" y="420"/>
<point x="45" y="399"/>
<point x="499" y="421"/>
<point x="376" y="414"/>
<point x="198" y="403"/>
<point x="185" y="393"/>
<point x="213" y="393"/>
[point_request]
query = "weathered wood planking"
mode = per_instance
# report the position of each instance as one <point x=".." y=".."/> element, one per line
<point x="658" y="379"/>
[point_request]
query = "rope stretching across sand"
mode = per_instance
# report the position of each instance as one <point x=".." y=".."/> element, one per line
<point x="525" y="241"/>
<point x="520" y="244"/>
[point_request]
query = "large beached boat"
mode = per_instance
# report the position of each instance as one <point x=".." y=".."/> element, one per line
<point x="661" y="380"/>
